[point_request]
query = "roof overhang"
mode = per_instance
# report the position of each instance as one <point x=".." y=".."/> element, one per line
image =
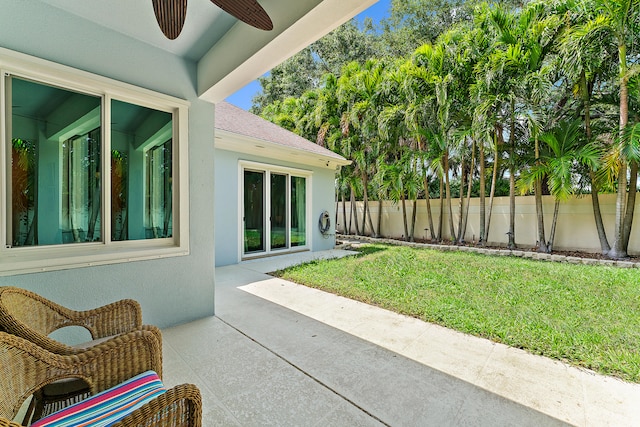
<point x="225" y="52"/>
<point x="248" y="53"/>
<point x="231" y="141"/>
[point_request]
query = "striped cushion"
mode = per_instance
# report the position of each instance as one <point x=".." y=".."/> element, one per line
<point x="109" y="406"/>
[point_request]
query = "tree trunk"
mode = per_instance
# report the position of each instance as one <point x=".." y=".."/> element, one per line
<point x="542" y="240"/>
<point x="448" y="194"/>
<point x="512" y="180"/>
<point x="595" y="201"/>
<point x="597" y="214"/>
<point x="379" y="230"/>
<point x="365" y="202"/>
<point x="494" y="178"/>
<point x="619" y="250"/>
<point x="354" y="213"/>
<point x="512" y="209"/>
<point x="556" y="209"/>
<point x="631" y="203"/>
<point x="413" y="219"/>
<point x="404" y="218"/>
<point x="441" y="219"/>
<point x="427" y="198"/>
<point x="370" y="221"/>
<point x="482" y="190"/>
<point x="461" y="202"/>
<point x="344" y="213"/>
<point x="348" y="230"/>
<point x="469" y="185"/>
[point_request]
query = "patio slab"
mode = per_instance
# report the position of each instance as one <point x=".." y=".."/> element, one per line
<point x="282" y="354"/>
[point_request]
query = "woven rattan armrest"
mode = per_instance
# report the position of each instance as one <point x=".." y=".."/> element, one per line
<point x="33" y="317"/>
<point x="26" y="367"/>
<point x="179" y="406"/>
<point x="111" y="319"/>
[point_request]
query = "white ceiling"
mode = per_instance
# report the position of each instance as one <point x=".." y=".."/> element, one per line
<point x="205" y="22"/>
<point x="228" y="52"/>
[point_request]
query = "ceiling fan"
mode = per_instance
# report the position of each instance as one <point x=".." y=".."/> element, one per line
<point x="171" y="14"/>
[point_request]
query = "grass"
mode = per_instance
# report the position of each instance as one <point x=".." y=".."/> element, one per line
<point x="588" y="316"/>
<point x="253" y="239"/>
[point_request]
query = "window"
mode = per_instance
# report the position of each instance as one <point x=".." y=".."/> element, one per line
<point x="141" y="172"/>
<point x="92" y="171"/>
<point x="55" y="165"/>
<point x="274" y="209"/>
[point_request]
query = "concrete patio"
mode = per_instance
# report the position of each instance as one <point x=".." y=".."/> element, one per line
<point x="282" y="354"/>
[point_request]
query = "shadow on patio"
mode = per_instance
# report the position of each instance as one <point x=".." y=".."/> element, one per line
<point x="282" y="354"/>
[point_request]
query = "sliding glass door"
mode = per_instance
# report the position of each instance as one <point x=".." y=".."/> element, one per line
<point x="298" y="211"/>
<point x="254" y="211"/>
<point x="274" y="211"/>
<point x="279" y="217"/>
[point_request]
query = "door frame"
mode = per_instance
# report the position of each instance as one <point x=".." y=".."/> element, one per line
<point x="269" y="169"/>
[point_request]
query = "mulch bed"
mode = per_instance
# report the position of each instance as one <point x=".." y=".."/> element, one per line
<point x="577" y="254"/>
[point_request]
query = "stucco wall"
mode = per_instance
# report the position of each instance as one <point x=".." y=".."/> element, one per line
<point x="171" y="290"/>
<point x="227" y="215"/>
<point x="575" y="230"/>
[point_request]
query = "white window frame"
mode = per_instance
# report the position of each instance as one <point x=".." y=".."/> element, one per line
<point x="268" y="169"/>
<point x="20" y="260"/>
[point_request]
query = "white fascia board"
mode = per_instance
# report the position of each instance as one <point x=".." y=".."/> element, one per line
<point x="230" y="141"/>
<point x="246" y="53"/>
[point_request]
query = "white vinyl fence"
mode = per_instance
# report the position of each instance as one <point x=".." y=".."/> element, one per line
<point x="575" y="231"/>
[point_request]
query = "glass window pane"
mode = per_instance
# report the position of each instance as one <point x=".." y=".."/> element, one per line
<point x="81" y="188"/>
<point x="298" y="211"/>
<point x="278" y="211"/>
<point x="141" y="172"/>
<point x="119" y="187"/>
<point x="24" y="187"/>
<point x="55" y="165"/>
<point x="253" y="211"/>
<point x="158" y="195"/>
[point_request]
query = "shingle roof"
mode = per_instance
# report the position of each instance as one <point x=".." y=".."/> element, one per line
<point x="236" y="120"/>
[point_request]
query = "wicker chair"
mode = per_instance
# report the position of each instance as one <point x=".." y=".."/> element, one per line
<point x="32" y="317"/>
<point x="25" y="367"/>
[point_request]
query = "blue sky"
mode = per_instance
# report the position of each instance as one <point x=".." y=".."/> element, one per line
<point x="242" y="98"/>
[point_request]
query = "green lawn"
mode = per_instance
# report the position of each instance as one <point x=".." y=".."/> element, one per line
<point x="585" y="315"/>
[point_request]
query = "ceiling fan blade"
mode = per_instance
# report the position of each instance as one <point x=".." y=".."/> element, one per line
<point x="170" y="15"/>
<point x="248" y="11"/>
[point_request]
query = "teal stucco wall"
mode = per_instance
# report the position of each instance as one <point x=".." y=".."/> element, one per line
<point x="227" y="206"/>
<point x="170" y="290"/>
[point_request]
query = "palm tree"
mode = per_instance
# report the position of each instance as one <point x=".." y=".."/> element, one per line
<point x="464" y="204"/>
<point x="587" y="64"/>
<point x="433" y="115"/>
<point x="326" y="117"/>
<point x="359" y="91"/>
<point x="515" y="70"/>
<point x="563" y="151"/>
<point x="418" y="99"/>
<point x="534" y="132"/>
<point x="466" y="45"/>
<point x="616" y="23"/>
<point x="392" y="128"/>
